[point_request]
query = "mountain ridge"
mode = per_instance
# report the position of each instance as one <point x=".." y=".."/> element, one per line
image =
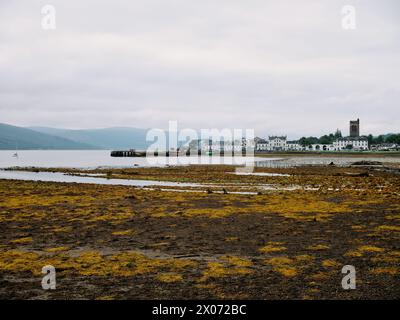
<point x="104" y="138"/>
<point x="14" y="137"/>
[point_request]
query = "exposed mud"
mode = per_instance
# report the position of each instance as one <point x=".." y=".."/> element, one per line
<point x="118" y="242"/>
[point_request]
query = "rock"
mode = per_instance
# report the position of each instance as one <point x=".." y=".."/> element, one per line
<point x="366" y="163"/>
<point x="362" y="174"/>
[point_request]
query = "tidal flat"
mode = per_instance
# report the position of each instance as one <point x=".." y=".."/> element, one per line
<point x="288" y="241"/>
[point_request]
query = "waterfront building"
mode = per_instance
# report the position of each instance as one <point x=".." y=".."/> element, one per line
<point x="355" y="128"/>
<point x="294" y="146"/>
<point x="261" y="145"/>
<point x="386" y="147"/>
<point x="277" y="143"/>
<point x="354" y="141"/>
<point x="321" y="147"/>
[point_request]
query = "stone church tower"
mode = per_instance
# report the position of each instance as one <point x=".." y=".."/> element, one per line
<point x="355" y="128"/>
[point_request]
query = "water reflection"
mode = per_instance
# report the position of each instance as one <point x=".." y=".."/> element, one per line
<point x="62" y="177"/>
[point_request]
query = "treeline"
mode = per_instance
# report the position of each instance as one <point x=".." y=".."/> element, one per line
<point x="325" y="139"/>
<point x="330" y="138"/>
<point x="384" y="138"/>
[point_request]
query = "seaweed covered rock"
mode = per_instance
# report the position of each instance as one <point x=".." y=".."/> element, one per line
<point x="367" y="163"/>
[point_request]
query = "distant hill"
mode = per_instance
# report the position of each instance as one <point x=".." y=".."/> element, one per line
<point x="12" y="137"/>
<point x="109" y="138"/>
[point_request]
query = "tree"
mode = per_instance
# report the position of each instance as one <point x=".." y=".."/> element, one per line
<point x="302" y="141"/>
<point x="308" y="141"/>
<point x="370" y="139"/>
<point x="330" y="138"/>
<point x="326" y="139"/>
<point x="393" y="138"/>
<point x="338" y="134"/>
<point x="379" y="139"/>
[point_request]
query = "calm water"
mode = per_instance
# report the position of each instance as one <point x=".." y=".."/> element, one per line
<point x="97" y="179"/>
<point x="95" y="159"/>
<point x="61" y="177"/>
<point x="102" y="158"/>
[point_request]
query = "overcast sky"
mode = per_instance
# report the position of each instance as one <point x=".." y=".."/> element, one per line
<point x="280" y="67"/>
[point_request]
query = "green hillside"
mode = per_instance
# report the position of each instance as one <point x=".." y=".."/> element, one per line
<point x="109" y="138"/>
<point x="12" y="137"/>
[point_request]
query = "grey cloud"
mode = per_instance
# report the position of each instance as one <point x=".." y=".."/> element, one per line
<point x="281" y="67"/>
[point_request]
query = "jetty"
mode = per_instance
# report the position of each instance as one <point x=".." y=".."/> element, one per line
<point x="175" y="153"/>
<point x="134" y="153"/>
<point x="128" y="153"/>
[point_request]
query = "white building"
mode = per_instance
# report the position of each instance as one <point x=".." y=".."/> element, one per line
<point x="294" y="146"/>
<point x="354" y="143"/>
<point x="274" y="143"/>
<point x="277" y="143"/>
<point x="207" y="146"/>
<point x="386" y="147"/>
<point x="321" y="147"/>
<point x="262" y="145"/>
